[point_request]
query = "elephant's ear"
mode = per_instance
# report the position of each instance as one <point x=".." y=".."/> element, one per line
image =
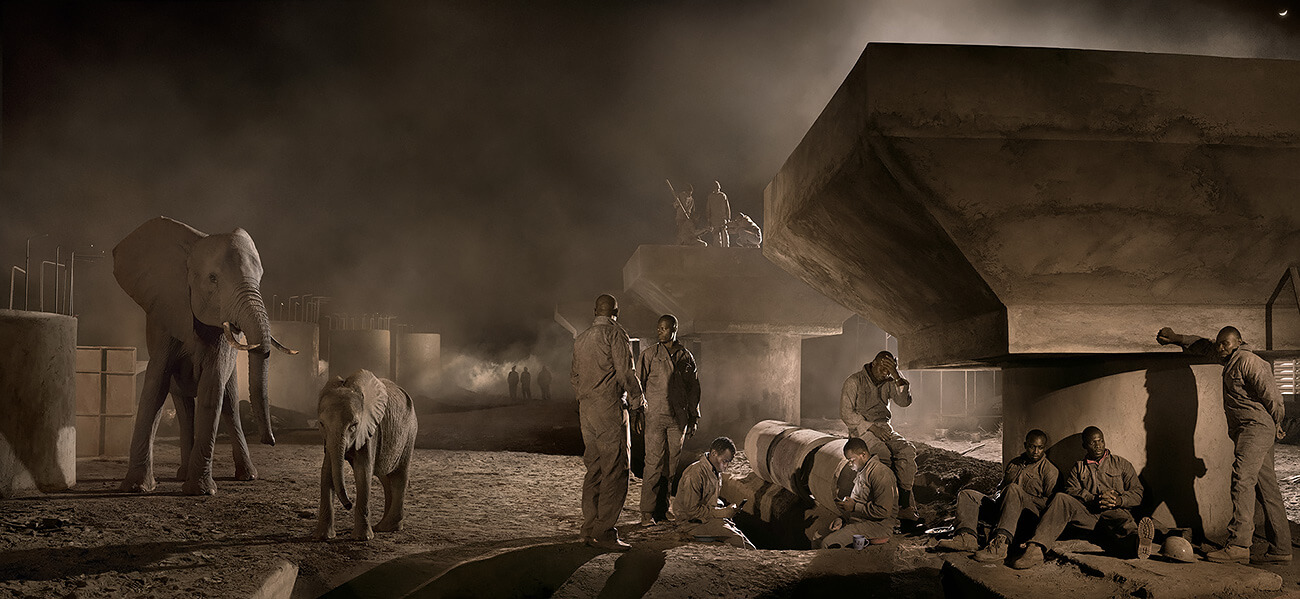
<point x="150" y="265"/>
<point x="374" y="403"/>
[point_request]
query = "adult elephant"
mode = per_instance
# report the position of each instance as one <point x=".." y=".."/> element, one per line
<point x="198" y="292"/>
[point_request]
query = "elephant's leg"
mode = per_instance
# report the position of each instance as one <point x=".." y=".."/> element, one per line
<point x="325" y="515"/>
<point x="244" y="469"/>
<point x="162" y="351"/>
<point x="362" y="471"/>
<point x="215" y="369"/>
<point x="185" y="420"/>
<point x="394" y="497"/>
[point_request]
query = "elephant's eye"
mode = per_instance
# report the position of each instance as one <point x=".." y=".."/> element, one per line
<point x="212" y="277"/>
<point x="352" y="426"/>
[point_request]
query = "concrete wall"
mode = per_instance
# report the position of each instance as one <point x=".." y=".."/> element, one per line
<point x="419" y="363"/>
<point x="294" y="381"/>
<point x="38" y="435"/>
<point x="351" y="351"/>
<point x="1163" y="413"/>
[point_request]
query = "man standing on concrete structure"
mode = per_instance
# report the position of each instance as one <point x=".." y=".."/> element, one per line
<point x="1100" y="492"/>
<point x="1027" y="482"/>
<point x="672" y="393"/>
<point x="696" y="501"/>
<point x="864" y="407"/>
<point x="605" y="382"/>
<point x="719" y="214"/>
<point x="747" y="234"/>
<point x="544" y="383"/>
<point x="526" y="384"/>
<point x="1253" y="404"/>
<point x="871" y="508"/>
<point x="684" y="209"/>
<point x="512" y="380"/>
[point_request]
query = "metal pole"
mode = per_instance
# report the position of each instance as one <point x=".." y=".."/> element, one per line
<point x="42" y="281"/>
<point x="58" y="278"/>
<point x="11" y="284"/>
<point x="27" y="269"/>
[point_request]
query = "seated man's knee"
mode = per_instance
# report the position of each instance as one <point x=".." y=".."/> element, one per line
<point x="970" y="495"/>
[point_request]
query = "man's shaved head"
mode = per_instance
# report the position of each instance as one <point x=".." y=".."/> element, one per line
<point x="606" y="305"/>
<point x="1227" y="342"/>
<point x="1230" y="333"/>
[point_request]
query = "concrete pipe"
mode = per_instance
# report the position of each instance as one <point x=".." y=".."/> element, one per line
<point x="830" y="477"/>
<point x="779" y="452"/>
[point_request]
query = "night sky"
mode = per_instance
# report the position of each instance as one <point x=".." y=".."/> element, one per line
<point x="461" y="165"/>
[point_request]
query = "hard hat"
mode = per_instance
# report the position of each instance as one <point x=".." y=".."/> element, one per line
<point x="1178" y="549"/>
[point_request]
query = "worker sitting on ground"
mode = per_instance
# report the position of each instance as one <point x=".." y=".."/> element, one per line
<point x="871" y="509"/>
<point x="697" y="504"/>
<point x="1100" y="492"/>
<point x="1027" y="482"/>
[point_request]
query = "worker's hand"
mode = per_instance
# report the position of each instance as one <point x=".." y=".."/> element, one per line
<point x="690" y="430"/>
<point x="847" y="504"/>
<point x="1166" y="336"/>
<point x="1109" y="499"/>
<point x="638" y="421"/>
<point x="1281" y="434"/>
<point x="728" y="512"/>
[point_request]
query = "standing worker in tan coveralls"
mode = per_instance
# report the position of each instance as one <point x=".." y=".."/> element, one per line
<point x="864" y="407"/>
<point x="1253" y="404"/>
<point x="602" y="375"/>
<point x="672" y="394"/>
<point x="719" y="212"/>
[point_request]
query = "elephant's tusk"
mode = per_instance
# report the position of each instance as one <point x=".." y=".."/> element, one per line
<point x="230" y="338"/>
<point x="282" y="348"/>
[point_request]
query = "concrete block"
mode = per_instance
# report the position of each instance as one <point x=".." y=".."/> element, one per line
<point x="979" y="202"/>
<point x="351" y="351"/>
<point x="38" y="399"/>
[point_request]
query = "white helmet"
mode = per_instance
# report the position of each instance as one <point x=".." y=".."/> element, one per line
<point x="1178" y="549"/>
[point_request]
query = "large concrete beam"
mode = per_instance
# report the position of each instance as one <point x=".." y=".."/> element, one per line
<point x="981" y="203"/>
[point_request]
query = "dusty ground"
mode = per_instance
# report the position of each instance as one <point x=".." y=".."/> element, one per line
<point x="462" y="504"/>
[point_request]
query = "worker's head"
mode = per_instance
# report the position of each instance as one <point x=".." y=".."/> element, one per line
<point x="856" y="452"/>
<point x="512" y="367"/>
<point x="882" y="367"/>
<point x="717" y="187"/>
<point x="666" y="330"/>
<point x="606" y="305"/>
<point x="721" y="451"/>
<point x="1035" y="445"/>
<point x="1228" y="341"/>
<point x="1094" y="443"/>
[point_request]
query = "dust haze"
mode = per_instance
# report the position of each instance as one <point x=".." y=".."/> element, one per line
<point x="461" y="165"/>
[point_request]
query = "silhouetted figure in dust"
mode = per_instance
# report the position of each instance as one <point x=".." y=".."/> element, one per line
<point x="526" y="384"/>
<point x="512" y="379"/>
<point x="544" y="383"/>
<point x="605" y="382"/>
<point x="719" y="210"/>
<point x="684" y="211"/>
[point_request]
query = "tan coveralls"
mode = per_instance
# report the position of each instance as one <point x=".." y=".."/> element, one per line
<point x="1026" y="486"/>
<point x="602" y="374"/>
<point x="672" y="393"/>
<point x="864" y="406"/>
<point x="875" y="508"/>
<point x="1087" y="480"/>
<point x="696" y="504"/>
<point x="1253" y="405"/>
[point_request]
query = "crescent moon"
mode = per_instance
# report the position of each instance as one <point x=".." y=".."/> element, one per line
<point x="1283" y="13"/>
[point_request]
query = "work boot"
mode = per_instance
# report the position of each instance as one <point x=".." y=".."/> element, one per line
<point x="1271" y="558"/>
<point x="996" y="551"/>
<point x="964" y="541"/>
<point x="1231" y="554"/>
<point x="1146" y="535"/>
<point x="647" y="519"/>
<point x="612" y="544"/>
<point x="1033" y="556"/>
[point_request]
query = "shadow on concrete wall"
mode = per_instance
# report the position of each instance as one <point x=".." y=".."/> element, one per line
<point x="1064" y="454"/>
<point x="1172" y="466"/>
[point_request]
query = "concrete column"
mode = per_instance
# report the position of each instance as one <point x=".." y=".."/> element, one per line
<point x="746" y="378"/>
<point x="418" y="363"/>
<point x="1163" y="413"/>
<point x="38" y="435"/>
<point x="351" y="351"/>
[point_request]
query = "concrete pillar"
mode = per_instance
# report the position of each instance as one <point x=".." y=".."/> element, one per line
<point x="418" y="363"/>
<point x="38" y="435"/>
<point x="294" y="381"/>
<point x="1162" y="413"/>
<point x="746" y="378"/>
<point x="351" y="351"/>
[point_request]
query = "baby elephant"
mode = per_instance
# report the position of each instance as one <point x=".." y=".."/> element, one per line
<point x="370" y="422"/>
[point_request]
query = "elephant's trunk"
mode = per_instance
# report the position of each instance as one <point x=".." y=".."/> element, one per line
<point x="334" y="452"/>
<point x="255" y="323"/>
